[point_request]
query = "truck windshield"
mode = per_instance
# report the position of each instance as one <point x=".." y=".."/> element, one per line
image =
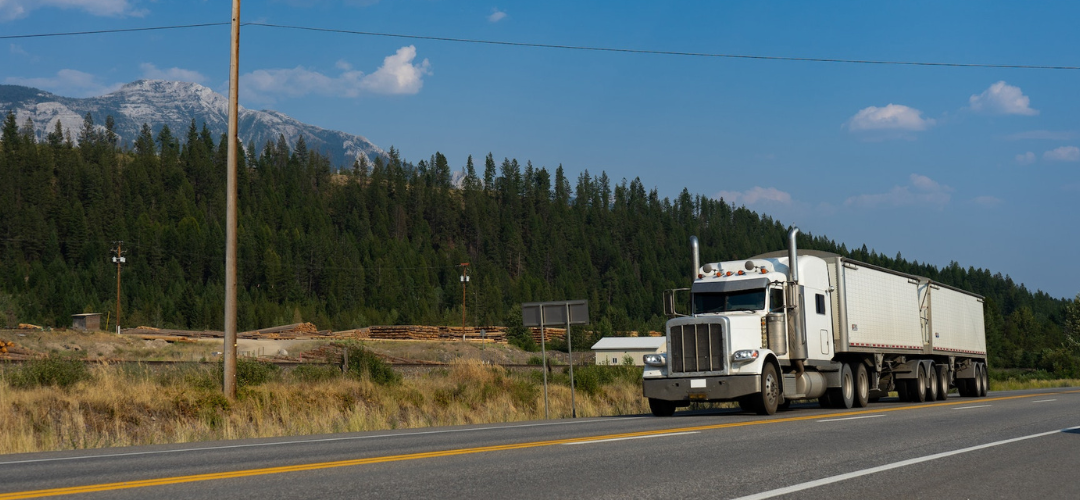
<point x="718" y="302"/>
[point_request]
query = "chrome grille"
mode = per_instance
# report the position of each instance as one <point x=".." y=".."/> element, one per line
<point x="697" y="347"/>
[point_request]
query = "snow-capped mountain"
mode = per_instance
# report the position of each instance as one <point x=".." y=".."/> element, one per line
<point x="159" y="103"/>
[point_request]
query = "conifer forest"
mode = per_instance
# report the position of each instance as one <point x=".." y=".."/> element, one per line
<point x="382" y="242"/>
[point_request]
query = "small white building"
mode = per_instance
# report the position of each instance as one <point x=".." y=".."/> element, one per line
<point x="613" y="350"/>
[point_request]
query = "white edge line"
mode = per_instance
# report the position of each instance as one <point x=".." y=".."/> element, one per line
<point x="881" y="468"/>
<point x="633" y="437"/>
<point x="309" y="441"/>
<point x="970" y="407"/>
<point x="1044" y="401"/>
<point x="849" y="418"/>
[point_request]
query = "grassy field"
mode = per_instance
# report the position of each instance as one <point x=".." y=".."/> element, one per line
<point x="66" y="402"/>
<point x="107" y="405"/>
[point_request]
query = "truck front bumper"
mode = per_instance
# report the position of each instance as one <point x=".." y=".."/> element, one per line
<point x="689" y="389"/>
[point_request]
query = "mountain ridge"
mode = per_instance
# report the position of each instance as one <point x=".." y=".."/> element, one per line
<point x="161" y="102"/>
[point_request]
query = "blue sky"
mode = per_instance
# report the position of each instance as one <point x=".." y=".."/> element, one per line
<point x="975" y="165"/>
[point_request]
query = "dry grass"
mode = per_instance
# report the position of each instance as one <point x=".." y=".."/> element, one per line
<point x="138" y="406"/>
<point x="1013" y="384"/>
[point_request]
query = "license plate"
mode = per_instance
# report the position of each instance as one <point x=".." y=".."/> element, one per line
<point x="697" y="383"/>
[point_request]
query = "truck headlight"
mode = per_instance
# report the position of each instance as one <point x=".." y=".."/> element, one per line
<point x="745" y="355"/>
<point x="655" y="359"/>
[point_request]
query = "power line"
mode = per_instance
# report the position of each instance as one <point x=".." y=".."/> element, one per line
<point x="667" y="52"/>
<point x="563" y="47"/>
<point x="119" y="30"/>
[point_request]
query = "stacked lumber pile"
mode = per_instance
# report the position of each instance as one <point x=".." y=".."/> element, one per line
<point x="8" y="350"/>
<point x="549" y="334"/>
<point x="170" y="335"/>
<point x="293" y="331"/>
<point x="422" y="332"/>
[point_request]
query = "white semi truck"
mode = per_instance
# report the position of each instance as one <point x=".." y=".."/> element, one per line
<point x="777" y="328"/>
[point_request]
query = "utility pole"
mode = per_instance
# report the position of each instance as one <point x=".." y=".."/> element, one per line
<point x="464" y="280"/>
<point x="119" y="260"/>
<point x="229" y="384"/>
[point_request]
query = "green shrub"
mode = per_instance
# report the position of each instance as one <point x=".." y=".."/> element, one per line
<point x="315" y="373"/>
<point x="362" y="362"/>
<point x="51" y="371"/>
<point x="535" y="361"/>
<point x="250" y="372"/>
<point x="591" y="379"/>
<point x="519" y="336"/>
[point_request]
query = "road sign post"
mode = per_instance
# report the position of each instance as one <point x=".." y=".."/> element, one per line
<point x="564" y="312"/>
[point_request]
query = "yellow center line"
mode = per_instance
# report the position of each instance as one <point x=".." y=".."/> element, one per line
<point x="461" y="451"/>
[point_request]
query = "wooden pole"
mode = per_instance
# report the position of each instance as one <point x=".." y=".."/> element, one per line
<point x="229" y="384"/>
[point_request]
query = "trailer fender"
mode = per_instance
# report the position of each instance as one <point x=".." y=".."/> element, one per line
<point x="909" y="370"/>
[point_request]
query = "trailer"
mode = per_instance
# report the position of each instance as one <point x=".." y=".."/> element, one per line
<point x="778" y="328"/>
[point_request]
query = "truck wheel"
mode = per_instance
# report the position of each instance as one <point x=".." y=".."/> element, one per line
<point x="661" y="408"/>
<point x="917" y="387"/>
<point x="823" y="400"/>
<point x="862" y="385"/>
<point x="942" y="381"/>
<point x="986" y="379"/>
<point x="843" y="397"/>
<point x="982" y="380"/>
<point x="932" y="384"/>
<point x="769" y="397"/>
<point x="901" y="389"/>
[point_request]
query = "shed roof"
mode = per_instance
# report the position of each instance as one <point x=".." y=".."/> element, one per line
<point x="621" y="343"/>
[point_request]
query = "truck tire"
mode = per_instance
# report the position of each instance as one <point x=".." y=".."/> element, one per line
<point x="862" y="385"/>
<point x="769" y="397"/>
<point x="843" y="397"/>
<point x="917" y="387"/>
<point x="986" y="379"/>
<point x="932" y="384"/>
<point x="942" y="381"/>
<point x="901" y="389"/>
<point x="982" y="380"/>
<point x="661" y="408"/>
<point x="823" y="400"/>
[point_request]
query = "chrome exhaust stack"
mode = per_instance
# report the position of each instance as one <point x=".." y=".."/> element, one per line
<point x="697" y="259"/>
<point x="797" y="351"/>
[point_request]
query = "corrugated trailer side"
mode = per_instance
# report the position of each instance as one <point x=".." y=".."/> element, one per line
<point x="875" y="309"/>
<point x="956" y="320"/>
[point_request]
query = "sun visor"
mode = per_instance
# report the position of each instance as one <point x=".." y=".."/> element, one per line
<point x="729" y="286"/>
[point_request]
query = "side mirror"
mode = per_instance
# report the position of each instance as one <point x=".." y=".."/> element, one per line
<point x="669" y="302"/>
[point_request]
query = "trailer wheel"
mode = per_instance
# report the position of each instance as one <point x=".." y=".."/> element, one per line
<point x="981" y="380"/>
<point x="932" y="384"/>
<point x="769" y="397"/>
<point x="917" y="387"/>
<point x="942" y="381"/>
<point x="862" y="385"/>
<point x="902" y="389"/>
<point x="986" y="379"/>
<point x="661" y="408"/>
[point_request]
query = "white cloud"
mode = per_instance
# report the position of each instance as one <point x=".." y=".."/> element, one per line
<point x="923" y="191"/>
<point x="16" y="9"/>
<point x="151" y="72"/>
<point x="1064" y="153"/>
<point x="496" y="16"/>
<point x="1002" y="99"/>
<point x="398" y="75"/>
<point x="890" y="117"/>
<point x="1026" y="158"/>
<point x="68" y="82"/>
<point x="755" y="195"/>
<point x="986" y="201"/>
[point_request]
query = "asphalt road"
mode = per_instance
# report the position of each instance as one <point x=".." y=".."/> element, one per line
<point x="1023" y="444"/>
